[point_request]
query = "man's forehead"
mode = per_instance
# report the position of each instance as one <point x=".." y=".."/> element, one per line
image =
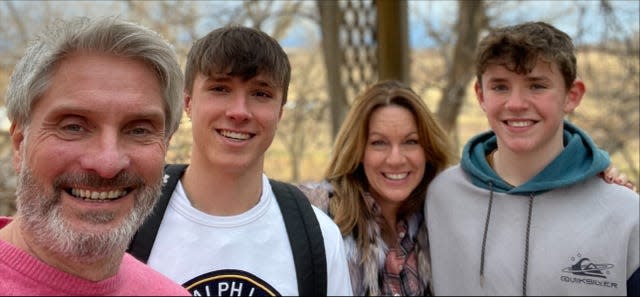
<point x="539" y="65"/>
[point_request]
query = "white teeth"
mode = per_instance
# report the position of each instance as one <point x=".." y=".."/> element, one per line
<point x="519" y="123"/>
<point x="235" y="135"/>
<point x="396" y="176"/>
<point x="96" y="195"/>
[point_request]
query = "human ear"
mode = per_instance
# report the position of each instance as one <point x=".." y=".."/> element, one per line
<point x="187" y="104"/>
<point x="574" y="95"/>
<point x="16" y="131"/>
<point x="477" y="87"/>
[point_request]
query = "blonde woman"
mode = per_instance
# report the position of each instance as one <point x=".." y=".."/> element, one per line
<point x="386" y="153"/>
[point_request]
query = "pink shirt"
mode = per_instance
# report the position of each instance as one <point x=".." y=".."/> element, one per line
<point x="23" y="274"/>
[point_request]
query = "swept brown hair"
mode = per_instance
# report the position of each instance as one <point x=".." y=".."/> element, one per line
<point x="519" y="47"/>
<point x="241" y="52"/>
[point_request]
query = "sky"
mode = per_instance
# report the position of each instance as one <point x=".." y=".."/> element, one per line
<point x="561" y="14"/>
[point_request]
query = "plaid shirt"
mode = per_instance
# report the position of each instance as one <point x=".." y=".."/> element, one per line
<point x="400" y="276"/>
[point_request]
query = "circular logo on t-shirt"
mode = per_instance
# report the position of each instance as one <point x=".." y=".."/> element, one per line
<point x="229" y="282"/>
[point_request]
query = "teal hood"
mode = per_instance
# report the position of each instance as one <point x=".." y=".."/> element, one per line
<point x="579" y="160"/>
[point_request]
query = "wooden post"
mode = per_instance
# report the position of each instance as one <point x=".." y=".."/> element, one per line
<point x="393" y="42"/>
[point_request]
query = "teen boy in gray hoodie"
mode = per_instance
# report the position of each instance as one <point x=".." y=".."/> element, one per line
<point x="526" y="212"/>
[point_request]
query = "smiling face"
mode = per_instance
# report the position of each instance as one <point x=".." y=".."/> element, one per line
<point x="394" y="160"/>
<point x="526" y="111"/>
<point x="233" y="121"/>
<point x="90" y="161"/>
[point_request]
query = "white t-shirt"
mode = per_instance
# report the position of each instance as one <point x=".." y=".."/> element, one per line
<point x="245" y="254"/>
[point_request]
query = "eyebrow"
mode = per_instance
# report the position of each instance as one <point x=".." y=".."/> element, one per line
<point x="140" y="113"/>
<point x="528" y="78"/>
<point x="538" y="78"/>
<point x="410" y="134"/>
<point x="497" y="79"/>
<point x="264" y="83"/>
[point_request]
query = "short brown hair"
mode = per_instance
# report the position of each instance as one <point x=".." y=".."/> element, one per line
<point x="519" y="47"/>
<point x="238" y="51"/>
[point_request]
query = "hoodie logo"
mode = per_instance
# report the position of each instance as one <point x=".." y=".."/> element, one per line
<point x="584" y="270"/>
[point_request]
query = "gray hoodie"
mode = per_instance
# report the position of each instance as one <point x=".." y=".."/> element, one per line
<point x="564" y="232"/>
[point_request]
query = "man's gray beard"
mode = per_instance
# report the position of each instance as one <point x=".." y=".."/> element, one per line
<point x="41" y="216"/>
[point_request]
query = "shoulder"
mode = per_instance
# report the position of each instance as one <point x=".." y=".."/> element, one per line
<point x="327" y="225"/>
<point x="172" y="175"/>
<point x="315" y="192"/>
<point x="330" y="231"/>
<point x="452" y="175"/>
<point x="597" y="187"/>
<point x="318" y="193"/>
<point x="137" y="274"/>
<point x="612" y="195"/>
<point x="616" y="204"/>
<point x="452" y="172"/>
<point x="176" y="169"/>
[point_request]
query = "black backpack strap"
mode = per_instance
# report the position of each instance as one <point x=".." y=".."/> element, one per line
<point x="305" y="237"/>
<point x="142" y="242"/>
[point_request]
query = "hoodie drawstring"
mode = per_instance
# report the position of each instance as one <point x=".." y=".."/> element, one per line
<point x="526" y="247"/>
<point x="484" y="236"/>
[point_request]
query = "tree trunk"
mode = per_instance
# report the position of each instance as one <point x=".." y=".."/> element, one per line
<point x="471" y="20"/>
<point x="330" y="16"/>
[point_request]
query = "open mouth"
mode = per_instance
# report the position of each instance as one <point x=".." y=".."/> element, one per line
<point x="520" y="124"/>
<point x="396" y="176"/>
<point x="235" y="135"/>
<point x="92" y="195"/>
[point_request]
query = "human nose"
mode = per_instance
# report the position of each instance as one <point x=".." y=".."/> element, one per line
<point x="395" y="156"/>
<point x="238" y="108"/>
<point x="106" y="155"/>
<point x="516" y="100"/>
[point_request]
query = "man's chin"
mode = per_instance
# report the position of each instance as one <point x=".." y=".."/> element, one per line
<point x="88" y="241"/>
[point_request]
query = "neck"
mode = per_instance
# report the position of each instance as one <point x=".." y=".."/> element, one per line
<point x="219" y="192"/>
<point x="516" y="168"/>
<point x="94" y="269"/>
<point x="389" y="213"/>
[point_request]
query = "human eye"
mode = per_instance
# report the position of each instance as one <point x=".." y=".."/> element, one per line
<point x="499" y="87"/>
<point x="218" y="88"/>
<point x="412" y="141"/>
<point x="72" y="125"/>
<point x="72" y="128"/>
<point x="538" y="86"/>
<point x="377" y="142"/>
<point x="142" y="130"/>
<point x="262" y="94"/>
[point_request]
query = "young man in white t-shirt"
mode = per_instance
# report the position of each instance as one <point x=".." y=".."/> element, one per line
<point x="222" y="232"/>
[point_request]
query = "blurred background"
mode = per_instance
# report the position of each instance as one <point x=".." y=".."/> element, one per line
<point x="338" y="47"/>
